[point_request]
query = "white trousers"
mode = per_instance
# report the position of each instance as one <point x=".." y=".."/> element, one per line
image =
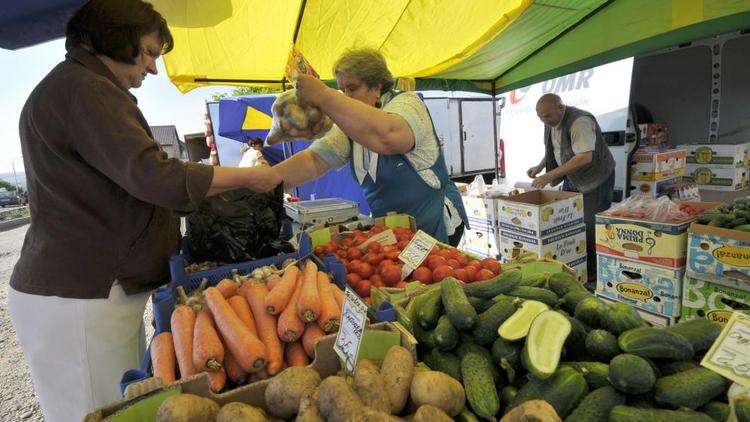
<point x="78" y="349"/>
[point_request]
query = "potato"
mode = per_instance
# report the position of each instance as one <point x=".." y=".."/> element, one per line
<point x="430" y="413"/>
<point x="337" y="401"/>
<point x="532" y="411"/>
<point x="285" y="389"/>
<point x="368" y="414"/>
<point x="240" y="412"/>
<point x="370" y="386"/>
<point x="308" y="407"/>
<point x="398" y="371"/>
<point x="313" y="114"/>
<point x="297" y="115"/>
<point x="187" y="408"/>
<point x="439" y="390"/>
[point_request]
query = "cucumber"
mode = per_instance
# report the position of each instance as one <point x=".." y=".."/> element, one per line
<point x="675" y="366"/>
<point x="502" y="283"/>
<point x="602" y="345"/>
<point x="634" y="414"/>
<point x="595" y="373"/>
<point x="649" y="342"/>
<point x="507" y="394"/>
<point x="430" y="310"/>
<point x="466" y="416"/>
<point x="563" y="391"/>
<point x="425" y="339"/>
<point x="444" y="362"/>
<point x="596" y="406"/>
<point x="485" y="331"/>
<point x="457" y="306"/>
<point x="717" y="410"/>
<point x="575" y="344"/>
<point x="742" y="410"/>
<point x="516" y="327"/>
<point x="700" y="332"/>
<point x="539" y="294"/>
<point x="562" y="283"/>
<point x="631" y="374"/>
<point x="541" y="353"/>
<point x="692" y="388"/>
<point x="480" y="304"/>
<point x="479" y="385"/>
<point x="643" y="401"/>
<point x="535" y="280"/>
<point x="622" y="317"/>
<point x="573" y="297"/>
<point x="591" y="312"/>
<point x="467" y="345"/>
<point x="446" y="335"/>
<point x="508" y="356"/>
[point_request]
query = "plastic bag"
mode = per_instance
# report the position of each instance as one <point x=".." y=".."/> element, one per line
<point x="641" y="207"/>
<point x="477" y="187"/>
<point x="238" y="225"/>
<point x="292" y="121"/>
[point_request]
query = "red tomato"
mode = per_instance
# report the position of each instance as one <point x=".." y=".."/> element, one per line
<point x="402" y="244"/>
<point x="436" y="261"/>
<point x="319" y="250"/>
<point x="376" y="229"/>
<point x="445" y="253"/>
<point x="365" y="270"/>
<point x="390" y="248"/>
<point x="363" y="288"/>
<point x="474" y="263"/>
<point x="393" y="255"/>
<point x="373" y="258"/>
<point x="484" y="274"/>
<point x="462" y="259"/>
<point x="353" y="265"/>
<point x="471" y="273"/>
<point x="441" y="272"/>
<point x="358" y="240"/>
<point x="374" y="247"/>
<point x="491" y="264"/>
<point x="344" y="261"/>
<point x="461" y="274"/>
<point x="400" y="285"/>
<point x="391" y="275"/>
<point x="377" y="280"/>
<point x="385" y="263"/>
<point x="346" y="242"/>
<point x="423" y="275"/>
<point x="434" y="250"/>
<point x="330" y="247"/>
<point x="454" y="263"/>
<point x="353" y="279"/>
<point x="353" y="253"/>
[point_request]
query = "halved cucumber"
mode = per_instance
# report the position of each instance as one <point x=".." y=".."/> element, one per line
<point x="543" y="347"/>
<point x="517" y="326"/>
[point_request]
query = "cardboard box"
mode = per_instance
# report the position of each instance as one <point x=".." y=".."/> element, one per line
<point x="653" y="187"/>
<point x="656" y="320"/>
<point x="657" y="164"/>
<point x="710" y="177"/>
<point x="647" y="241"/>
<point x="648" y="287"/>
<point x="580" y="269"/>
<point x="704" y="299"/>
<point x="482" y="241"/>
<point x="326" y="363"/>
<point x="320" y="235"/>
<point x="562" y="246"/>
<point x="718" y="155"/>
<point x="653" y="133"/>
<point x="719" y="255"/>
<point x="482" y="212"/>
<point x="540" y="213"/>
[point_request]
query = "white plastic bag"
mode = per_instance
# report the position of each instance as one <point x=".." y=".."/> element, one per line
<point x="291" y="120"/>
<point x="477" y="187"/>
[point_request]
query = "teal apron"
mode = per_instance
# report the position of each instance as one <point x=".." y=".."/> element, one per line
<point x="398" y="187"/>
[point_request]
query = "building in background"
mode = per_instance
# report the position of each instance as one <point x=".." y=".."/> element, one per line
<point x="167" y="137"/>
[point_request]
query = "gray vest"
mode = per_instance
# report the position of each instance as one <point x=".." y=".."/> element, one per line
<point x="589" y="177"/>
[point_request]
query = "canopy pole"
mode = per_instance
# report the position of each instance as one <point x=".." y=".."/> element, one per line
<point x="300" y="15"/>
<point x="495" y="140"/>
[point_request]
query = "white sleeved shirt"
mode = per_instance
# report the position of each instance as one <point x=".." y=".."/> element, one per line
<point x="582" y="137"/>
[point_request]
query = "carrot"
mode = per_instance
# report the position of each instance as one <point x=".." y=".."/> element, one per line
<point x="208" y="352"/>
<point x="308" y="304"/>
<point x="234" y="372"/>
<point x="242" y="309"/>
<point x="272" y="281"/>
<point x="279" y="296"/>
<point x="163" y="358"/>
<point x="330" y="313"/>
<point x="339" y="295"/>
<point x="227" y="287"/>
<point x="255" y="293"/>
<point x="183" y="323"/>
<point x="217" y="380"/>
<point x="295" y="354"/>
<point x="311" y="335"/>
<point x="246" y="348"/>
<point x="289" y="327"/>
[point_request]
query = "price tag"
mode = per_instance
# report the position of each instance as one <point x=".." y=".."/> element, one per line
<point x="384" y="238"/>
<point x="729" y="356"/>
<point x="349" y="338"/>
<point x="417" y="250"/>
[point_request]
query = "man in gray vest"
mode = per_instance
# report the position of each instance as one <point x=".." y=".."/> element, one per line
<point x="576" y="154"/>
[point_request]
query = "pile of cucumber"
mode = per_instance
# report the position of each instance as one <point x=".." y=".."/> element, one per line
<point x="735" y="216"/>
<point x="511" y="339"/>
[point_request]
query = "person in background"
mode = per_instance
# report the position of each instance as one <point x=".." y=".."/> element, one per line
<point x="576" y="154"/>
<point x="252" y="153"/>
<point x="389" y="141"/>
<point x="101" y="196"/>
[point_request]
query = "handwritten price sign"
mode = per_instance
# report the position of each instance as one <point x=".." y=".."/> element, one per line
<point x="417" y="250"/>
<point x="730" y="354"/>
<point x="353" y="322"/>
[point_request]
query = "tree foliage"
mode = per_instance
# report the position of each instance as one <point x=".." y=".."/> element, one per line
<point x="245" y="90"/>
<point x="10" y="186"/>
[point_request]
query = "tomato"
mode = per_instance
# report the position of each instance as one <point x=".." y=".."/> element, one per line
<point x="462" y="259"/>
<point x="363" y="288"/>
<point x="423" y="275"/>
<point x="392" y="255"/>
<point x="491" y="264"/>
<point x="373" y="258"/>
<point x="358" y="240"/>
<point x="375" y="230"/>
<point x="441" y="272"/>
<point x="484" y="274"/>
<point x="445" y="253"/>
<point x="461" y="274"/>
<point x="374" y="247"/>
<point x="365" y="270"/>
<point x="400" y="285"/>
<point x="471" y="273"/>
<point x="353" y="279"/>
<point x="434" y="250"/>
<point x="346" y="242"/>
<point x="453" y="263"/>
<point x="386" y="262"/>
<point x="391" y="275"/>
<point x="390" y="248"/>
<point x="402" y="244"/>
<point x="353" y="253"/>
<point x="330" y="247"/>
<point x="377" y="280"/>
<point x="474" y="263"/>
<point x="436" y="261"/>
<point x="353" y="265"/>
<point x="319" y="250"/>
<point x="344" y="261"/>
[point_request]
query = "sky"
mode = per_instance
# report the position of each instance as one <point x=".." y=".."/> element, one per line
<point x="159" y="100"/>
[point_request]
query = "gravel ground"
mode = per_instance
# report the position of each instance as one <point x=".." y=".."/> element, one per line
<point x="18" y="401"/>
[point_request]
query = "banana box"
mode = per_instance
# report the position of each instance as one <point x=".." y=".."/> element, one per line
<point x="644" y="286"/>
<point x="580" y="269"/>
<point x="716" y="178"/>
<point x="565" y="247"/>
<point x="481" y="241"/>
<point x="540" y="213"/>
<point x="657" y="320"/>
<point x="482" y="212"/>
<point x="719" y="255"/>
<point x="656" y="164"/>
<point x="718" y="155"/>
<point x="704" y="299"/>
<point x="655" y="243"/>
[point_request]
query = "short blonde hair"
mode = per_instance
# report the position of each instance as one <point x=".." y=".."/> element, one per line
<point x="366" y="64"/>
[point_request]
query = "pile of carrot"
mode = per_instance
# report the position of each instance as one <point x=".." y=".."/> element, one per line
<point x="250" y="331"/>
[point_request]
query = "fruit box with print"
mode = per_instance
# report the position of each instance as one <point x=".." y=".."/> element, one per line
<point x="704" y="299"/>
<point x="657" y="164"/>
<point x="564" y="246"/>
<point x="482" y="241"/>
<point x="647" y="241"/>
<point x="579" y="268"/>
<point x="648" y="287"/>
<point x="719" y="255"/>
<point x="653" y="187"/>
<point x="482" y="212"/>
<point x="540" y="213"/>
<point x="718" y="155"/>
<point x="710" y="177"/>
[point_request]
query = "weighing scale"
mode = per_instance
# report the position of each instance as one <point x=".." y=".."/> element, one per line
<point x="322" y="211"/>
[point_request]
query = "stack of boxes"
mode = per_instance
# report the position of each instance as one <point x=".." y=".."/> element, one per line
<point x="723" y="167"/>
<point x="655" y="168"/>
<point x="547" y="223"/>
<point x="482" y="238"/>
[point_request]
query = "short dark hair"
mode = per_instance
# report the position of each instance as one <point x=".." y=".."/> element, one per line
<point x="114" y="28"/>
